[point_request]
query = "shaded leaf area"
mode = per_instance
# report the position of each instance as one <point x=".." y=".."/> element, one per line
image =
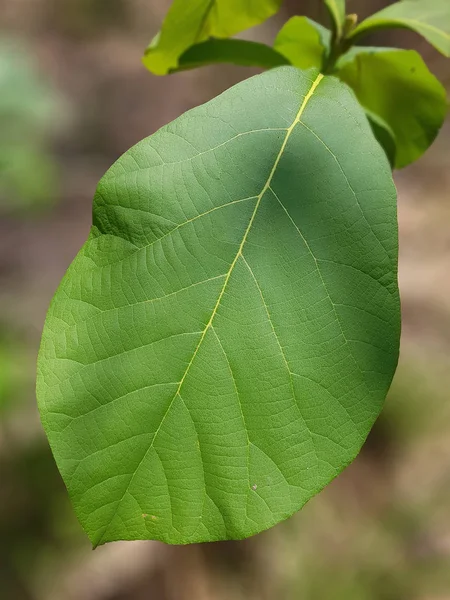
<point x="189" y="23"/>
<point x="223" y="343"/>
<point x="238" y="52"/>
<point x="384" y="135"/>
<point x="303" y="42"/>
<point x="429" y="18"/>
<point x="397" y="87"/>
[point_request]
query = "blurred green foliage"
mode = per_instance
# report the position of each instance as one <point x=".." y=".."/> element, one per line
<point x="13" y="371"/>
<point x="30" y="110"/>
<point x="36" y="523"/>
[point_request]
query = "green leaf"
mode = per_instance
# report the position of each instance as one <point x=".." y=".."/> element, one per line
<point x="221" y="346"/>
<point x="429" y="18"/>
<point x="238" y="52"/>
<point x="189" y="23"/>
<point x="303" y="42"/>
<point x="336" y="8"/>
<point x="384" y="135"/>
<point x="397" y="86"/>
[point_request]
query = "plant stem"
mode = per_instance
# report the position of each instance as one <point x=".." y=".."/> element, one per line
<point x="340" y="44"/>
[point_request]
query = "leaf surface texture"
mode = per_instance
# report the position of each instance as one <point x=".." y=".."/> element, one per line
<point x="222" y="344"/>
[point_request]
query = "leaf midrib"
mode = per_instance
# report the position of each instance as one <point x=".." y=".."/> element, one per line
<point x="266" y="186"/>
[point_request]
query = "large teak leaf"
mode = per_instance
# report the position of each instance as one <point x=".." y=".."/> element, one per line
<point x="429" y="18"/>
<point x="192" y="22"/>
<point x="221" y="346"/>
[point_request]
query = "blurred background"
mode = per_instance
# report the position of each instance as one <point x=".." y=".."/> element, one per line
<point x="73" y="97"/>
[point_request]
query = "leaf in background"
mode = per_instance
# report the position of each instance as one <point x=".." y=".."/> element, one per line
<point x="336" y="8"/>
<point x="224" y="341"/>
<point x="238" y="52"/>
<point x="397" y="86"/>
<point x="30" y="109"/>
<point x="303" y="42"/>
<point x="189" y="23"/>
<point x="429" y="18"/>
<point x="384" y="135"/>
<point x="28" y="176"/>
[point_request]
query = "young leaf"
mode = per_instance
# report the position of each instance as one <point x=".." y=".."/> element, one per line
<point x="221" y="346"/>
<point x="188" y="23"/>
<point x="238" y="52"/>
<point x="303" y="42"/>
<point x="429" y="18"/>
<point x="336" y="8"/>
<point x="397" y="86"/>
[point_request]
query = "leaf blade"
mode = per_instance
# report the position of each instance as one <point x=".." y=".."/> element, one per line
<point x="384" y="135"/>
<point x="397" y="86"/>
<point x="430" y="19"/>
<point x="188" y="24"/>
<point x="303" y="42"/>
<point x="261" y="421"/>
<point x="336" y="8"/>
<point x="232" y="51"/>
